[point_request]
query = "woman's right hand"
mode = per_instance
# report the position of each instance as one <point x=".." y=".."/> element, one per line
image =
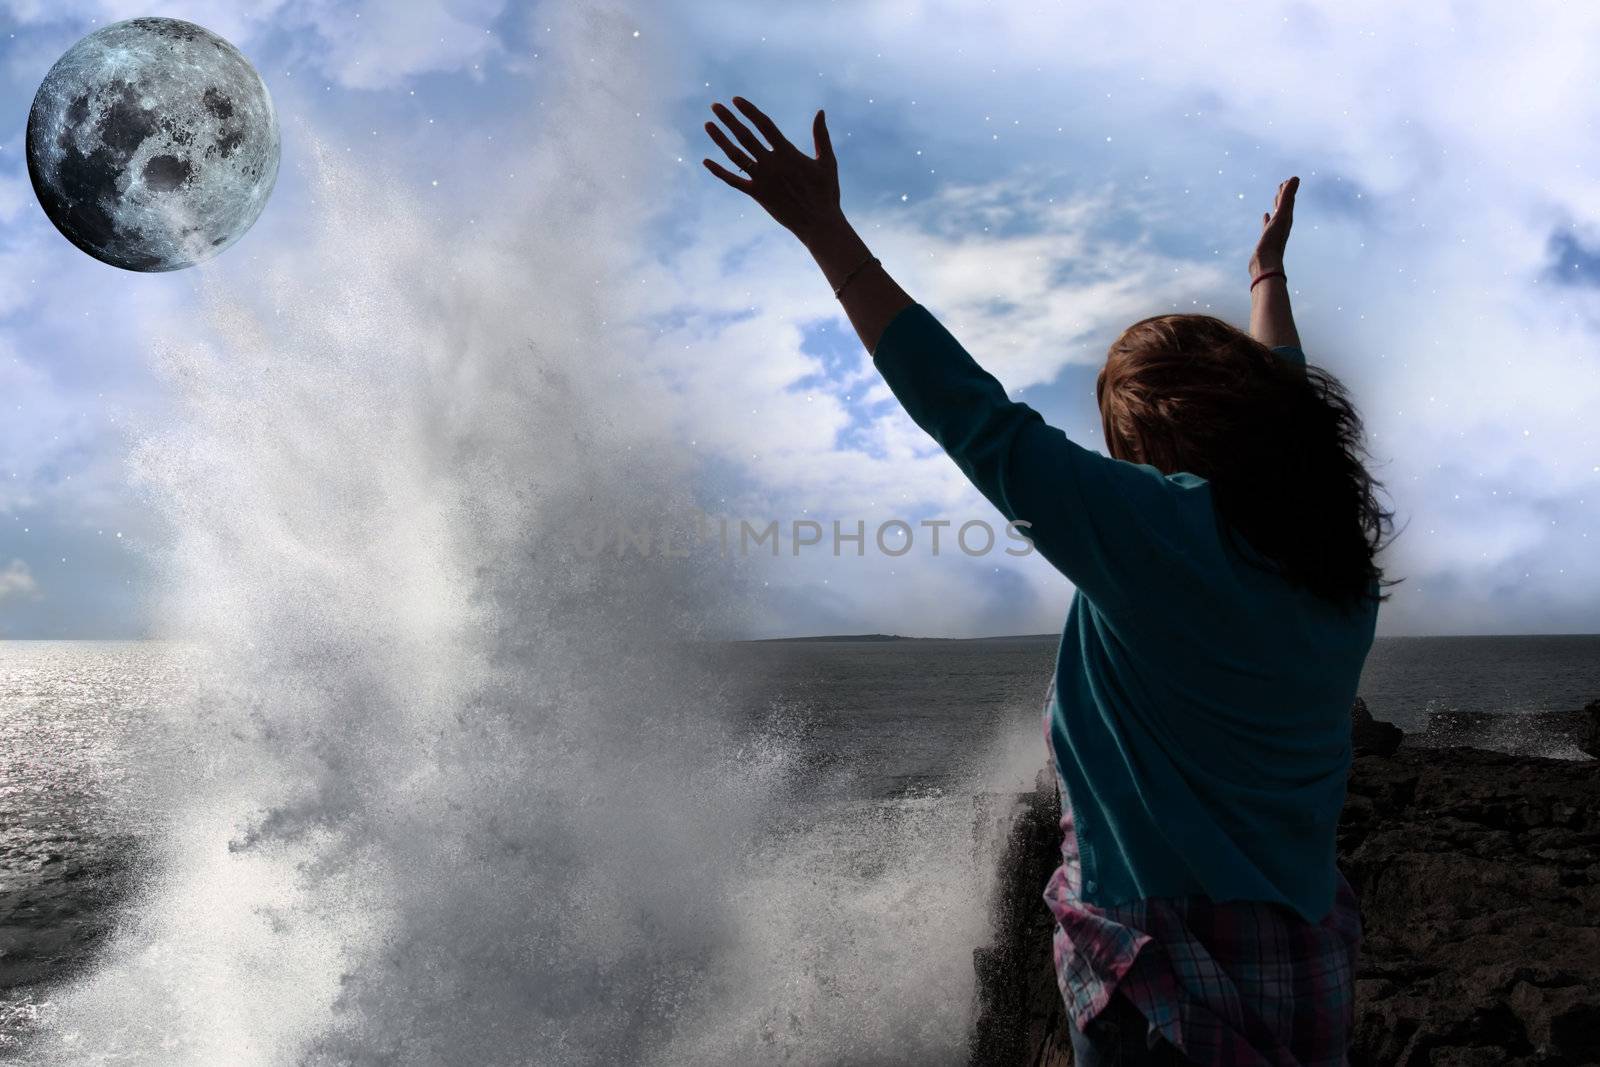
<point x="1275" y="230"/>
<point x="801" y="192"/>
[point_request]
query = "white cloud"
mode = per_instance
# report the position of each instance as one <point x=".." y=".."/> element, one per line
<point x="739" y="385"/>
<point x="360" y="45"/>
<point x="373" y="45"/>
<point x="15" y="198"/>
<point x="17" y="582"/>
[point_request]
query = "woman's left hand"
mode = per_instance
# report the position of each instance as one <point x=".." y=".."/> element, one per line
<point x="1275" y="229"/>
<point x="800" y="191"/>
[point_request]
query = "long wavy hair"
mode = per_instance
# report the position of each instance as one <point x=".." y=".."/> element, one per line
<point x="1282" y="447"/>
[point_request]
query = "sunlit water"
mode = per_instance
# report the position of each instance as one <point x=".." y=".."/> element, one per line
<point x="853" y="896"/>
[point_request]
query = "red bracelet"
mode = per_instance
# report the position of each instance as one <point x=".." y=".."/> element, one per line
<point x="1264" y="275"/>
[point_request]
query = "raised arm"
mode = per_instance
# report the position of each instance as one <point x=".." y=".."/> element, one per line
<point x="802" y="193"/>
<point x="1114" y="528"/>
<point x="1271" y="320"/>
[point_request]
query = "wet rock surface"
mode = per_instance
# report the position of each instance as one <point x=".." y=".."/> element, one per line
<point x="1571" y="734"/>
<point x="1479" y="879"/>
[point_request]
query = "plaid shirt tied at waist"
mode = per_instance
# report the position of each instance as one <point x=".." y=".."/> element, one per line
<point x="1231" y="983"/>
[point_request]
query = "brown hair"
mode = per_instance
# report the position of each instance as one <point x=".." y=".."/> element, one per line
<point x="1282" y="447"/>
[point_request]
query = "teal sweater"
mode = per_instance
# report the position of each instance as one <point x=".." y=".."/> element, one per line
<point x="1202" y="711"/>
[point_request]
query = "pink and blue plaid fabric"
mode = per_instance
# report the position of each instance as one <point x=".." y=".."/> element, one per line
<point x="1232" y="983"/>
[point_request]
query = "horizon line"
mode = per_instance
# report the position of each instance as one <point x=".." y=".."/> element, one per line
<point x="4" y="638"/>
<point x="1057" y="635"/>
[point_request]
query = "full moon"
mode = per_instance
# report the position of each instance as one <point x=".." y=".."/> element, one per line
<point x="152" y="144"/>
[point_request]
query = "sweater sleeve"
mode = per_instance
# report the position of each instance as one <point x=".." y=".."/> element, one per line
<point x="1292" y="353"/>
<point x="1112" y="527"/>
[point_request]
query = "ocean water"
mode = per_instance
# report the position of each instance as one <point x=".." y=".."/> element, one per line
<point x="896" y="715"/>
<point x="1408" y="678"/>
<point x="884" y="745"/>
<point x="850" y="900"/>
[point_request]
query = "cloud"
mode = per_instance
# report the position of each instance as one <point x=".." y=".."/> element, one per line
<point x="749" y="392"/>
<point x="17" y="582"/>
<point x="362" y="45"/>
<point x="374" y="45"/>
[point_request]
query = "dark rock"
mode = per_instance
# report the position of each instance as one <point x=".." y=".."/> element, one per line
<point x="1479" y="884"/>
<point x="1479" y="880"/>
<point x="1020" y="1013"/>
<point x="1371" y="736"/>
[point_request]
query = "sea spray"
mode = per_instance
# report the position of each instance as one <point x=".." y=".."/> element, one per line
<point x="453" y="796"/>
<point x="454" y="791"/>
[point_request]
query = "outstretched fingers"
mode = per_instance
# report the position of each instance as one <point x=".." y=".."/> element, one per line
<point x="1286" y="192"/>
<point x="819" y="134"/>
<point x="744" y="185"/>
<point x="740" y="160"/>
<point x="751" y="142"/>
<point x="1282" y="213"/>
<point x="768" y="128"/>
